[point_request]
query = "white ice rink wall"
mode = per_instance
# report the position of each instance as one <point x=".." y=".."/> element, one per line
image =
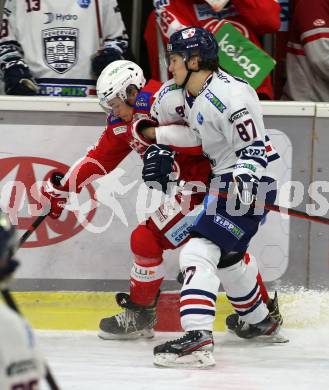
<point x="39" y="134"/>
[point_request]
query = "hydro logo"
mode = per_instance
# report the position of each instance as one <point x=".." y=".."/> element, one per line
<point x="20" y="180"/>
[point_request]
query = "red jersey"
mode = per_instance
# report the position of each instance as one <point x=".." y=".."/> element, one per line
<point x="120" y="138"/>
<point x="252" y="18"/>
<point x="307" y="52"/>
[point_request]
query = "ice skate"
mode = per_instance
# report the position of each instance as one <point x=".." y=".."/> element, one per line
<point x="134" y="322"/>
<point x="194" y="349"/>
<point x="233" y="320"/>
<point x="238" y="326"/>
<point x="267" y="330"/>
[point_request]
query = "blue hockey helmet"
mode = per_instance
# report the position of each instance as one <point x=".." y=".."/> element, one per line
<point x="191" y="41"/>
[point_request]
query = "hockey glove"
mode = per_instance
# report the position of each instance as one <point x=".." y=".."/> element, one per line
<point x="246" y="187"/>
<point x="145" y="128"/>
<point x="53" y="190"/>
<point x="18" y="80"/>
<point x="158" y="165"/>
<point x="103" y="58"/>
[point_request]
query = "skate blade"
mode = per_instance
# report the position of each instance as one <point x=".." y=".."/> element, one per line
<point x="197" y="359"/>
<point x="277" y="339"/>
<point x="146" y="333"/>
<point x="271" y="339"/>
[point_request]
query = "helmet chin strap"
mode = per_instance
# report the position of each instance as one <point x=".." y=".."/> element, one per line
<point x="189" y="73"/>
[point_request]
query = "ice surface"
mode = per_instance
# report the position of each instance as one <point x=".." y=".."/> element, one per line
<point x="82" y="361"/>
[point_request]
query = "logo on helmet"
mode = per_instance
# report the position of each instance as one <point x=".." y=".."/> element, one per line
<point x="188" y="33"/>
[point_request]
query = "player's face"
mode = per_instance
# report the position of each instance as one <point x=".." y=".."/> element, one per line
<point x="120" y="109"/>
<point x="177" y="68"/>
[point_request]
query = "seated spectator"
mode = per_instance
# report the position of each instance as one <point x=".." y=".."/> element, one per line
<point x="58" y="48"/>
<point x="251" y="18"/>
<point x="308" y="52"/>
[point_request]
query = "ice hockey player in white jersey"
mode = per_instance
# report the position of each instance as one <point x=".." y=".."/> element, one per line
<point x="223" y="113"/>
<point x="59" y="48"/>
<point x="21" y="366"/>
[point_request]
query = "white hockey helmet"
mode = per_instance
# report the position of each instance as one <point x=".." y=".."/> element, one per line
<point x="115" y="79"/>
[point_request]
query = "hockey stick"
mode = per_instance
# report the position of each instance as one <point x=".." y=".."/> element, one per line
<point x="270" y="207"/>
<point x="2" y="4"/>
<point x="31" y="229"/>
<point x="12" y="304"/>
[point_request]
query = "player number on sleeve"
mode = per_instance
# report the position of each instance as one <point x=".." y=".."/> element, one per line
<point x="4" y="29"/>
<point x="247" y="130"/>
<point x="180" y="111"/>
<point x="165" y="20"/>
<point x="32" y="5"/>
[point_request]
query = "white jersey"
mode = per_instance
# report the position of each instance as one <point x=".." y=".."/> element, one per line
<point x="58" y="39"/>
<point x="21" y="366"/>
<point x="226" y="119"/>
<point x="169" y="111"/>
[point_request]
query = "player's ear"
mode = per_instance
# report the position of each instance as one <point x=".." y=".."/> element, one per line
<point x="132" y="93"/>
<point x="194" y="62"/>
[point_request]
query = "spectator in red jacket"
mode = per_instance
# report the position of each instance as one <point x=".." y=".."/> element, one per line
<point x="252" y="18"/>
<point x="308" y="52"/>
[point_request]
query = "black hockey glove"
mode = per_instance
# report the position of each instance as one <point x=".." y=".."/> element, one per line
<point x="246" y="187"/>
<point x="19" y="81"/>
<point x="103" y="58"/>
<point x="158" y="165"/>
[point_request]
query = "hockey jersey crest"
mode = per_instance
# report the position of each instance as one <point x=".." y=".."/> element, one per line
<point x="57" y="39"/>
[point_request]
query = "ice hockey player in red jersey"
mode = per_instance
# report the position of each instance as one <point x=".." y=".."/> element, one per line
<point x="252" y="18"/>
<point x="158" y="233"/>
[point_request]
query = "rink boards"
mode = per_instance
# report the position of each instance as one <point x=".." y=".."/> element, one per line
<point x="83" y="310"/>
<point x="93" y="260"/>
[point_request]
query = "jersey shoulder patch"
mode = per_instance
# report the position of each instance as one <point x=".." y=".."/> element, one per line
<point x="112" y="120"/>
<point x="119" y="129"/>
<point x="166" y="89"/>
<point x="116" y="125"/>
<point x="144" y="101"/>
<point x="214" y="100"/>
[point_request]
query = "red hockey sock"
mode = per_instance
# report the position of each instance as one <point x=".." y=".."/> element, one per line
<point x="262" y="288"/>
<point x="145" y="280"/>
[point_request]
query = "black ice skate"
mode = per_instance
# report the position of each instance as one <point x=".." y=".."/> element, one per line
<point x="237" y="325"/>
<point x="194" y="349"/>
<point x="134" y="322"/>
<point x="232" y="320"/>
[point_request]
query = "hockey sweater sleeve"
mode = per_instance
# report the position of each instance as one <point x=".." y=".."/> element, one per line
<point x="313" y="25"/>
<point x="263" y="16"/>
<point x="100" y="160"/>
<point x="11" y="52"/>
<point x="168" y="111"/>
<point x="171" y="16"/>
<point x="180" y="138"/>
<point x="114" y="31"/>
